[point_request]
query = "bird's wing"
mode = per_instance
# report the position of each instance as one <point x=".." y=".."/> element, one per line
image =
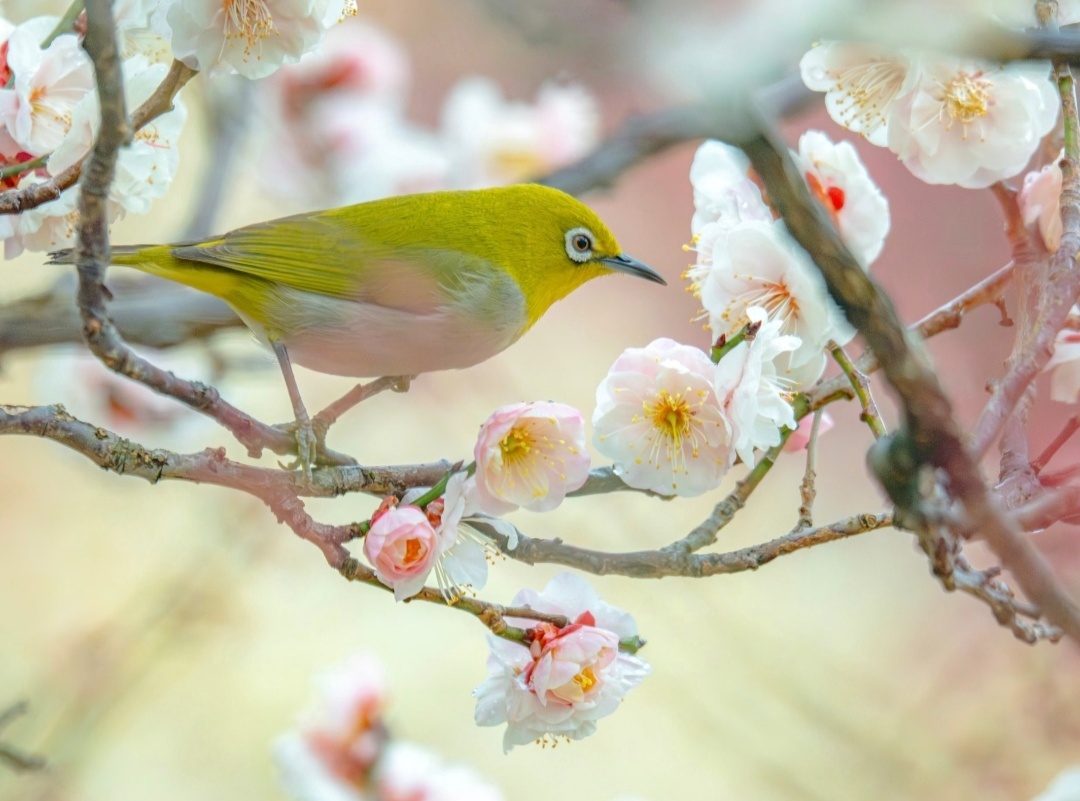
<point x="318" y="253"/>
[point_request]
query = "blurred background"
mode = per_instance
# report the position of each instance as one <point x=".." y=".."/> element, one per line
<point x="164" y="635"/>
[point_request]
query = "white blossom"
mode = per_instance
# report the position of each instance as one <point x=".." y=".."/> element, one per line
<point x="971" y="123"/>
<point x="658" y="418"/>
<point x="1064" y="365"/>
<point x="754" y="397"/>
<point x="860" y="82"/>
<point x="838" y="179"/>
<point x="724" y="192"/>
<point x="1040" y="202"/>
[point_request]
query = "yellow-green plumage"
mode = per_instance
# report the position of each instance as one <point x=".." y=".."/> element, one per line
<point x="397" y="286"/>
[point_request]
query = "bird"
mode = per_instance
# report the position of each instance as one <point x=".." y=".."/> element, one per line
<point x="398" y="286"/>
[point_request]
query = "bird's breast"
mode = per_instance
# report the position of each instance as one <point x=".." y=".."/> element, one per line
<point x="430" y="328"/>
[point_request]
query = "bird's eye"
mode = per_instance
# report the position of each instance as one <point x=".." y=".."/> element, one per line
<point x="579" y="244"/>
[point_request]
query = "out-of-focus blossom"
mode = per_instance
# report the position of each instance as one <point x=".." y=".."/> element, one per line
<point x="1040" y="203"/>
<point x="724" y="192"/>
<point x="336" y="131"/>
<point x="800" y="437"/>
<point x="47" y="85"/>
<point x="754" y="398"/>
<point x="658" y="418"/>
<point x="91" y="391"/>
<point x="409" y="772"/>
<point x="530" y="455"/>
<point x="402" y="546"/>
<point x="333" y="751"/>
<point x="860" y="82"/>
<point x="492" y="141"/>
<point x="135" y="33"/>
<point x="251" y="37"/>
<point x="971" y="123"/>
<point x="144" y="169"/>
<point x="1064" y="787"/>
<point x="837" y="178"/>
<point x="758" y="264"/>
<point x="1064" y="365"/>
<point x="568" y="678"/>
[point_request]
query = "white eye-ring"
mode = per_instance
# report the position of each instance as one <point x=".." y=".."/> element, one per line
<point x="579" y="244"/>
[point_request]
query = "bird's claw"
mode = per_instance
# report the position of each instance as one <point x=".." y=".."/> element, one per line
<point x="307" y="446"/>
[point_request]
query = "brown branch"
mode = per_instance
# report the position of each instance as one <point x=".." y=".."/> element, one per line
<point x="807" y="490"/>
<point x="15" y="201"/>
<point x="146" y="310"/>
<point x="12" y="757"/>
<point x="671" y="562"/>
<point x="1072" y="425"/>
<point x="930" y="436"/>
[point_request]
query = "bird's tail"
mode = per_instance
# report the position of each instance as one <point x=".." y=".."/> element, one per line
<point x="158" y="260"/>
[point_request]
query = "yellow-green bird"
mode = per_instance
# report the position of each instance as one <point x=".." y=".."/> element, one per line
<point x="399" y="286"/>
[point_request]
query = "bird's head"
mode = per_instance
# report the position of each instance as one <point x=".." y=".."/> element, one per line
<point x="561" y="244"/>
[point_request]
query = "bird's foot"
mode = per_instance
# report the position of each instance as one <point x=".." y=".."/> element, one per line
<point x="307" y="445"/>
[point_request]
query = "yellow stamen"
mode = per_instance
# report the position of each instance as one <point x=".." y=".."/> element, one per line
<point x="585" y="679"/>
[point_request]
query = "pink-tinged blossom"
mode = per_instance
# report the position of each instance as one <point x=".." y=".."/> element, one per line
<point x="566" y="679"/>
<point x="492" y="141"/>
<point x="971" y="123"/>
<point x="1040" y="203"/>
<point x="402" y="547"/>
<point x="251" y="37"/>
<point x="837" y="178"/>
<point x="1064" y="365"/>
<point x="332" y="753"/>
<point x="759" y="264"/>
<point x="409" y="772"/>
<point x="530" y="455"/>
<point x="461" y="563"/>
<point x="724" y="192"/>
<point x="47" y="85"/>
<point x="755" y="399"/>
<point x="860" y="81"/>
<point x="800" y="437"/>
<point x="658" y="418"/>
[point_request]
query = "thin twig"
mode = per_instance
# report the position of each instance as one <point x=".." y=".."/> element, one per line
<point x="1072" y="425"/>
<point x="807" y="489"/>
<point x="861" y="384"/>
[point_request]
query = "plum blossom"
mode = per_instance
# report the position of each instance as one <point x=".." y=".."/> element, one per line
<point x="251" y="37"/>
<point x="758" y="264"/>
<point x="971" y="123"/>
<point x="566" y="679"/>
<point x="1064" y="365"/>
<point x="837" y="178"/>
<point x="860" y="82"/>
<point x="724" y="192"/>
<point x="1021" y="13"/>
<point x="658" y="418"/>
<point x="47" y="85"/>
<point x="1040" y="203"/>
<point x="340" y="738"/>
<point x="800" y="437"/>
<point x="402" y="546"/>
<point x="144" y="169"/>
<point x="530" y="455"/>
<point x="409" y="772"/>
<point x="754" y="398"/>
<point x="495" y="142"/>
<point x="1064" y="787"/>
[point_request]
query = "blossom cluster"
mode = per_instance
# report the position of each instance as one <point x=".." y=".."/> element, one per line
<point x="949" y="120"/>
<point x="337" y="131"/>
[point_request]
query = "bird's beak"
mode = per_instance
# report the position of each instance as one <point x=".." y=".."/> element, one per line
<point x="625" y="264"/>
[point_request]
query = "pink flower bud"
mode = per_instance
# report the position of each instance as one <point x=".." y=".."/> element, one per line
<point x="402" y="546"/>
